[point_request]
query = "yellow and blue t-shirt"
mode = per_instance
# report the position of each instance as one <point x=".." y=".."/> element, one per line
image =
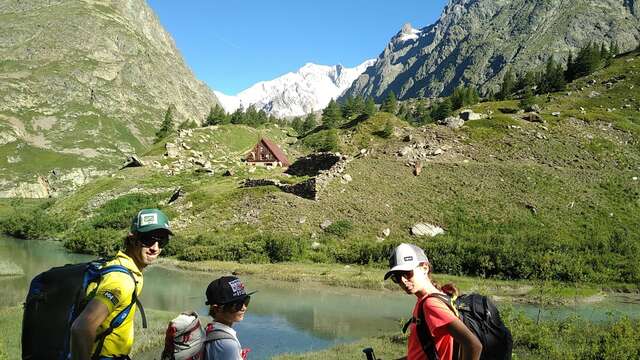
<point x="115" y="290"/>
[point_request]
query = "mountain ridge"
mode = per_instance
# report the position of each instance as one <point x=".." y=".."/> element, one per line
<point x="85" y="84"/>
<point x="474" y="41"/>
<point x="307" y="90"/>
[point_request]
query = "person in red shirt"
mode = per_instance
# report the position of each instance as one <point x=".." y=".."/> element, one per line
<point x="410" y="268"/>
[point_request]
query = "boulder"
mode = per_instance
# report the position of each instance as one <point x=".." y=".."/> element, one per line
<point x="468" y="115"/>
<point x="424" y="229"/>
<point x="532" y="117"/>
<point x="452" y="122"/>
<point x="386" y="232"/>
<point x="171" y="150"/>
<point x="325" y="224"/>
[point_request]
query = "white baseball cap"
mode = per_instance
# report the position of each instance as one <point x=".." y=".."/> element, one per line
<point x="405" y="257"/>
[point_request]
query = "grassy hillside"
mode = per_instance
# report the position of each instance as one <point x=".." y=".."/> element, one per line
<point x="557" y="200"/>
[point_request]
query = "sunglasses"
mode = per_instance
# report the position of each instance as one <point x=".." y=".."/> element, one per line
<point x="237" y="305"/>
<point x="398" y="275"/>
<point x="148" y="240"/>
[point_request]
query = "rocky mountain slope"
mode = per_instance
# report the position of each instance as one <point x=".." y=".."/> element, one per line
<point x="474" y="41"/>
<point x="84" y="83"/>
<point x="308" y="89"/>
<point x="549" y="197"/>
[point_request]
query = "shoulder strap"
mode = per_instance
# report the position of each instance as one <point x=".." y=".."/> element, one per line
<point x="424" y="334"/>
<point x="218" y="334"/>
<point x="119" y="319"/>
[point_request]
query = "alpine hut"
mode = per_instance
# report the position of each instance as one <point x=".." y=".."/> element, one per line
<point x="267" y="153"/>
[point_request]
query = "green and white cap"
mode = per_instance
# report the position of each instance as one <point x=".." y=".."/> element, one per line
<point x="405" y="257"/>
<point x="148" y="220"/>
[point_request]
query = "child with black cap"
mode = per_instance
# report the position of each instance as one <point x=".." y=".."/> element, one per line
<point x="228" y="301"/>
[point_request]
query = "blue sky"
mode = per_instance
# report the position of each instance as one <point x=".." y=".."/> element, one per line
<point x="233" y="44"/>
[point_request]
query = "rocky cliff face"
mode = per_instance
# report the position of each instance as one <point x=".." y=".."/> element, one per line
<point x="86" y="82"/>
<point x="475" y="40"/>
<point x="308" y="89"/>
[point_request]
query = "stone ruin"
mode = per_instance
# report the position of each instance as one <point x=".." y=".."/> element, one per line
<point x="323" y="167"/>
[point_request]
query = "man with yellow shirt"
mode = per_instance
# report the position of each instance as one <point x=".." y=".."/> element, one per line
<point x="93" y="333"/>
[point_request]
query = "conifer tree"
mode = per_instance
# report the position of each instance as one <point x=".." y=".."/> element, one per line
<point x="238" y="116"/>
<point x="422" y="114"/>
<point x="296" y="124"/>
<point x="553" y="78"/>
<point x="309" y="123"/>
<point x="464" y="96"/>
<point x="331" y="115"/>
<point x="508" y="85"/>
<point x="217" y="116"/>
<point x="166" y="127"/>
<point x="370" y="107"/>
<point x="441" y="111"/>
<point x="358" y="105"/>
<point x="347" y="108"/>
<point x="570" y="72"/>
<point x="390" y="103"/>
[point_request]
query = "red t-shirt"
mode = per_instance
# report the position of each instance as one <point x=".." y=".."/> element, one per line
<point x="438" y="316"/>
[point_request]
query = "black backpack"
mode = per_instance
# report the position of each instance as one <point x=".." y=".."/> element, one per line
<point x="481" y="316"/>
<point x="55" y="298"/>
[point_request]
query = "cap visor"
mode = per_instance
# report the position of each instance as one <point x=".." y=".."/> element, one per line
<point x="402" y="267"/>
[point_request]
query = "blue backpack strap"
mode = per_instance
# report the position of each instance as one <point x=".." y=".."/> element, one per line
<point x="118" y="319"/>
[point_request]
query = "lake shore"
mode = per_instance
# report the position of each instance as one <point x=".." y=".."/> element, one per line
<point x="371" y="278"/>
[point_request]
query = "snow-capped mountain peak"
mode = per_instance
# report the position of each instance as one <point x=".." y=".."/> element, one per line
<point x="308" y="89"/>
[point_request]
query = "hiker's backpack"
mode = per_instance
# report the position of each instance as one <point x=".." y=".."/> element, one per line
<point x="185" y="338"/>
<point x="55" y="299"/>
<point x="481" y="316"/>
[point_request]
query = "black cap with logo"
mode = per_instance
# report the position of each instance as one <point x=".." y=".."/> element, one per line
<point x="226" y="289"/>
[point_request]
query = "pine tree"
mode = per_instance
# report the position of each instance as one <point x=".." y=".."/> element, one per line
<point x="358" y="105"/>
<point x="296" y="124"/>
<point x="508" y="85"/>
<point x="309" y="123"/>
<point x="331" y="115"/>
<point x="217" y="116"/>
<point x="166" y="127"/>
<point x="441" y="111"/>
<point x="403" y="112"/>
<point x="347" y="108"/>
<point x="464" y="96"/>
<point x="553" y="78"/>
<point x="570" y="73"/>
<point x="390" y="103"/>
<point x="422" y="114"/>
<point x="370" y="108"/>
<point x="238" y="116"/>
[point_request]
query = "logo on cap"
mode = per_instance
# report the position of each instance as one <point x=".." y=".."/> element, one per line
<point x="148" y="219"/>
<point x="408" y="258"/>
<point x="237" y="287"/>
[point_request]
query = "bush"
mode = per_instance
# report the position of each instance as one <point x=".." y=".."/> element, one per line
<point x="117" y="213"/>
<point x="101" y="242"/>
<point x="340" y="228"/>
<point x="280" y="248"/>
<point x="33" y="224"/>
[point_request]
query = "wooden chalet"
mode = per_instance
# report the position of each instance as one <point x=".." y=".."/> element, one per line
<point x="267" y="153"/>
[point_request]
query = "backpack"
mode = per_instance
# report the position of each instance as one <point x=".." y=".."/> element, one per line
<point x="55" y="299"/>
<point x="185" y="338"/>
<point x="481" y="316"/>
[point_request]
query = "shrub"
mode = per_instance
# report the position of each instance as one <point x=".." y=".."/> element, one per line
<point x="117" y="213"/>
<point x="101" y="242"/>
<point x="32" y="224"/>
<point x="340" y="228"/>
<point x="280" y="248"/>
